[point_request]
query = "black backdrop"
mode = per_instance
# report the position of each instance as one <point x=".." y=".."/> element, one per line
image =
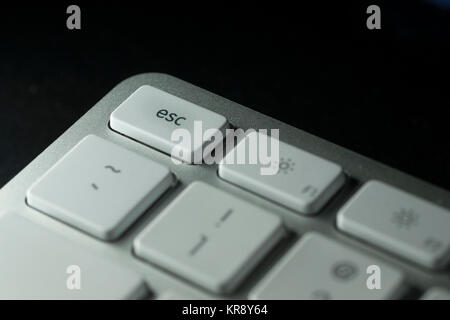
<point x="382" y="93"/>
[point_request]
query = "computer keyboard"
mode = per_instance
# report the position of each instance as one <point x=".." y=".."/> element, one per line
<point x="111" y="202"/>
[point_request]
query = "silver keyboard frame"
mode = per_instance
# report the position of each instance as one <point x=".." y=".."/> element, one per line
<point x="358" y="170"/>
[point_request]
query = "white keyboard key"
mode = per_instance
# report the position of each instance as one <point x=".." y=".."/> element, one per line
<point x="150" y="116"/>
<point x="399" y="222"/>
<point x="319" y="268"/>
<point x="38" y="264"/>
<point x="304" y="182"/>
<point x="437" y="293"/>
<point x="209" y="237"/>
<point x="99" y="187"/>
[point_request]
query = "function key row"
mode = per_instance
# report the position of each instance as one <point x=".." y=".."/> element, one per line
<point x="302" y="181"/>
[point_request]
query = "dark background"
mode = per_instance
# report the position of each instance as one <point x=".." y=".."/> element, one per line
<point x="383" y="93"/>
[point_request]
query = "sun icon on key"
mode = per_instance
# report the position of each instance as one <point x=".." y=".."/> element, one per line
<point x="286" y="165"/>
<point x="405" y="218"/>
